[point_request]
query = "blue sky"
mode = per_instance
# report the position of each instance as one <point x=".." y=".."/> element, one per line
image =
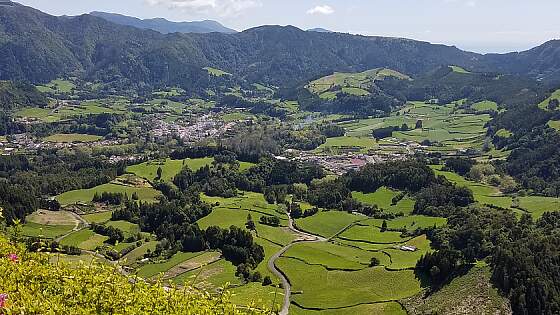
<point x="476" y="25"/>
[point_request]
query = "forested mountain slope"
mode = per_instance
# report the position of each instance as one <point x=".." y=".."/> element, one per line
<point x="164" y="26"/>
<point x="39" y="47"/>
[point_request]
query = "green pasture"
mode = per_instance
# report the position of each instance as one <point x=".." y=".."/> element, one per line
<point x="99" y="218"/>
<point x="458" y="69"/>
<point x="153" y="269"/>
<point x="139" y="252"/>
<point x="354" y="83"/>
<point x="388" y="308"/>
<point x="383" y="198"/>
<point x="58" y="85"/>
<point x="555" y="96"/>
<point x="328" y="223"/>
<point x="77" y="238"/>
<point x="43" y="230"/>
<point x="210" y="277"/>
<point x="86" y="195"/>
<point x="504" y="133"/>
<point x="555" y="124"/>
<point x="337" y="289"/>
<point x="216" y="72"/>
<point x="170" y="168"/>
<point x="371" y="234"/>
<point x="334" y="256"/>
<point x="485" y="106"/>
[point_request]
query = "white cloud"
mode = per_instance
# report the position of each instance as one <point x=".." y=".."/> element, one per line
<point x="321" y="9"/>
<point x="220" y="7"/>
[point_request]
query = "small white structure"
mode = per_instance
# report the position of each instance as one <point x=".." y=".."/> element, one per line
<point x="408" y="248"/>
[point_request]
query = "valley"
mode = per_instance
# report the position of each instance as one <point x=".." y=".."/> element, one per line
<point x="272" y="171"/>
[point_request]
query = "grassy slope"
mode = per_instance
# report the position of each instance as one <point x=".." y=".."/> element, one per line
<point x="468" y="294"/>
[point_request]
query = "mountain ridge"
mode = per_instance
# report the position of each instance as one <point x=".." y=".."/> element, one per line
<point x="279" y="55"/>
<point x="165" y="26"/>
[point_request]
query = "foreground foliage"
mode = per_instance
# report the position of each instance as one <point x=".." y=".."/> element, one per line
<point x="35" y="286"/>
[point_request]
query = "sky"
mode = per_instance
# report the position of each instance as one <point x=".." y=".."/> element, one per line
<point x="476" y="25"/>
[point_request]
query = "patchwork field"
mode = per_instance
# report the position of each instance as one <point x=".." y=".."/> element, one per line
<point x="441" y="125"/>
<point x="486" y="194"/>
<point x="350" y="83"/>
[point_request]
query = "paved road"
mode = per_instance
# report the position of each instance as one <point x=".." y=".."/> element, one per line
<point x="303" y="238"/>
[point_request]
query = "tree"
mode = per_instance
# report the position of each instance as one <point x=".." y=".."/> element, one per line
<point x="374" y="262"/>
<point x="419" y="124"/>
<point x="384" y="226"/>
<point x="267" y="281"/>
<point x="250" y="223"/>
<point x="159" y="173"/>
<point x="553" y="104"/>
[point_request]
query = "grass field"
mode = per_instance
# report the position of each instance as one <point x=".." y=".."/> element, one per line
<point x="334" y="289"/>
<point x="554" y="124"/>
<point x="441" y="125"/>
<point x="458" y="69"/>
<point x="538" y="205"/>
<point x="77" y="238"/>
<point x="216" y="72"/>
<point x="238" y="116"/>
<point x="210" y="277"/>
<point x="383" y="198"/>
<point x="47" y="231"/>
<point x="139" y="252"/>
<point x="45" y="217"/>
<point x="351" y="83"/>
<point x="58" y="85"/>
<point x="504" y="133"/>
<point x="74" y="137"/>
<point x="555" y="96"/>
<point x="389" y="308"/>
<point x="154" y="269"/>
<point x="367" y="233"/>
<point x="485" y="105"/>
<point x="127" y="227"/>
<point x="268" y="297"/>
<point x="86" y="195"/>
<point x="327" y="223"/>
<point x="334" y="256"/>
<point x="170" y="168"/>
<point x="99" y="218"/>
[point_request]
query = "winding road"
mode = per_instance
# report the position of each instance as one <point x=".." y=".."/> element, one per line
<point x="303" y="238"/>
